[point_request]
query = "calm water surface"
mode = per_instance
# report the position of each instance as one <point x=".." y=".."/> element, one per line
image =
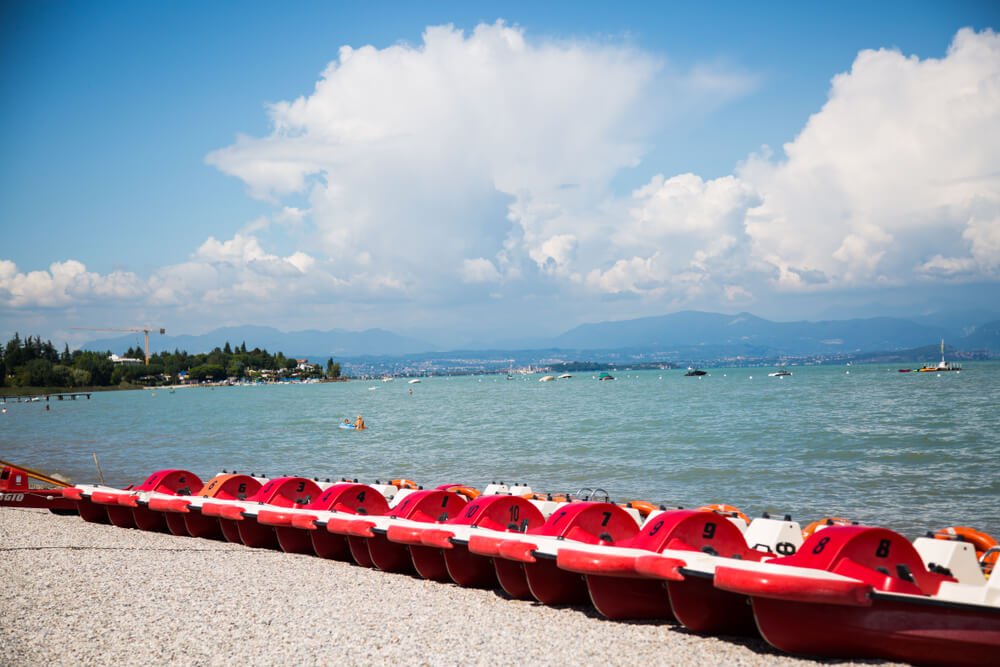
<point x="909" y="451"/>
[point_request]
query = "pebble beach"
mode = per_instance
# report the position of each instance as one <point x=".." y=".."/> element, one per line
<point x="80" y="593"/>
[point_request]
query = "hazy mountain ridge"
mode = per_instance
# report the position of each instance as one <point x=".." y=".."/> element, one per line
<point x="985" y="336"/>
<point x="688" y="328"/>
<point x="682" y="335"/>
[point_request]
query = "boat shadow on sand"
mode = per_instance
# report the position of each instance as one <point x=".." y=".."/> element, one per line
<point x="755" y="644"/>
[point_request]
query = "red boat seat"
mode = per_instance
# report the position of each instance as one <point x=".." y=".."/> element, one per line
<point x="171" y="481"/>
<point x="694" y="530"/>
<point x="230" y="487"/>
<point x="429" y="505"/>
<point x="880" y="557"/>
<point x="590" y="522"/>
<point x="505" y="513"/>
<point x="288" y="492"/>
<point x="352" y="498"/>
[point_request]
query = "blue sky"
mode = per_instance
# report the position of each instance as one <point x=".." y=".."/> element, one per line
<point x="490" y="170"/>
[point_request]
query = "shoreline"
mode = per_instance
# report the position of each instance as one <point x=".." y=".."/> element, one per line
<point x="97" y="594"/>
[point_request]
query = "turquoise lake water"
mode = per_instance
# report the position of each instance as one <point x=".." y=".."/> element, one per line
<point x="911" y="451"/>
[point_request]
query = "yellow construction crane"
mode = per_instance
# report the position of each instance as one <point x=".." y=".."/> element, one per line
<point x="144" y="330"/>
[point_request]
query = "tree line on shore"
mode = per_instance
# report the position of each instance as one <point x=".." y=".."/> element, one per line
<point x="31" y="362"/>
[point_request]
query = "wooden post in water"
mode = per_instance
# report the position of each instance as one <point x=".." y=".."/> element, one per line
<point x="100" y="474"/>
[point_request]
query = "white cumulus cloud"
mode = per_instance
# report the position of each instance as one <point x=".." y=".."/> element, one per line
<point x="479" y="270"/>
<point x="683" y="236"/>
<point x="479" y="156"/>
<point x="64" y="284"/>
<point x="895" y="179"/>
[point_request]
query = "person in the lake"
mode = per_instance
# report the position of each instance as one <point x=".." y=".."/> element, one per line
<point x="359" y="423"/>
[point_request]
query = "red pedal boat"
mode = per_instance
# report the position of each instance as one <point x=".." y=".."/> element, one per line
<point x="183" y="513"/>
<point x="665" y="571"/>
<point x="863" y="592"/>
<point x="16" y="491"/>
<point x="434" y="545"/>
<point x="525" y="563"/>
<point x="103" y="504"/>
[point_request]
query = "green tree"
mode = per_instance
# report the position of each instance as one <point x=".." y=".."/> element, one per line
<point x="14" y="354"/>
<point x="96" y="365"/>
<point x="236" y="369"/>
<point x="79" y="378"/>
<point x="61" y="376"/>
<point x="211" y="372"/>
<point x="35" y="373"/>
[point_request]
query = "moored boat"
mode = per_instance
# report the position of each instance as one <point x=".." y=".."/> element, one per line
<point x="429" y="543"/>
<point x="859" y="591"/>
<point x="666" y="571"/>
<point x="526" y="562"/>
<point x="16" y="491"/>
<point x="102" y="504"/>
<point x="942" y="366"/>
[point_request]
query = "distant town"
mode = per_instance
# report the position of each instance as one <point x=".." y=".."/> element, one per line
<point x="548" y="361"/>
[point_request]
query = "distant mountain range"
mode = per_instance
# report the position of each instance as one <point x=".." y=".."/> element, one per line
<point x="686" y="335"/>
<point x="746" y="331"/>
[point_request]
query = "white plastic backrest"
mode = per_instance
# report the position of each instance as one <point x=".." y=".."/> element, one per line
<point x="325" y="485"/>
<point x="957" y="556"/>
<point x="402" y="493"/>
<point x="738" y="522"/>
<point x="634" y="513"/>
<point x="493" y="489"/>
<point x="388" y="491"/>
<point x="781" y="538"/>
<point x="520" y="489"/>
<point x="546" y="507"/>
<point x="993" y="589"/>
<point x="652" y="515"/>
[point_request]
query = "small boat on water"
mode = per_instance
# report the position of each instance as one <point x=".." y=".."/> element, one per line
<point x="779" y="374"/>
<point x="547" y="378"/>
<point x="694" y="372"/>
<point x="942" y="365"/>
<point x="605" y="376"/>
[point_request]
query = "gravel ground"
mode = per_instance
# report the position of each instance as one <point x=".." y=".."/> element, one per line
<point x="80" y="593"/>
